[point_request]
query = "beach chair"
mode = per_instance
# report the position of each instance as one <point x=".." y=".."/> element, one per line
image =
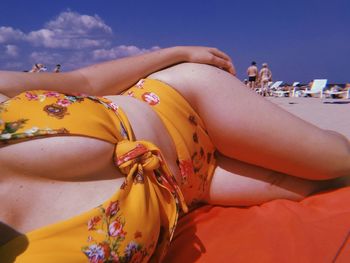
<point x="281" y="93"/>
<point x="317" y="87"/>
<point x="295" y="85"/>
<point x="276" y="85"/>
<point x="331" y="93"/>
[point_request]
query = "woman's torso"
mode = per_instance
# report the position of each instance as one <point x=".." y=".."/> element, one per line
<point x="265" y="74"/>
<point x="60" y="177"/>
<point x="252" y="71"/>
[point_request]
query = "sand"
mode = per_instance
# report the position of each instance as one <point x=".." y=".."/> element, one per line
<point x="331" y="114"/>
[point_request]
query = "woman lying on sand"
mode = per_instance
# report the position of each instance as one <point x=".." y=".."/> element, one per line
<point x="88" y="174"/>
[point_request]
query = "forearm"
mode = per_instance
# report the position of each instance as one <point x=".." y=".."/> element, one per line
<point x="13" y="83"/>
<point x="115" y="76"/>
<point x="111" y="77"/>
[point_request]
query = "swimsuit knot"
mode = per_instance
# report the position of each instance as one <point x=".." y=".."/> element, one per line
<point x="129" y="153"/>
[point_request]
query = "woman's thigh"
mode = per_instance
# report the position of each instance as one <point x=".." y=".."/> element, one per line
<point x="247" y="127"/>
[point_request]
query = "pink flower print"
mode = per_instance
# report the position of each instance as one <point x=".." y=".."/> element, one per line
<point x="113" y="208"/>
<point x="52" y="94"/>
<point x="151" y="98"/>
<point x="64" y="102"/>
<point x="140" y="83"/>
<point x="31" y="96"/>
<point x="92" y="222"/>
<point x="116" y="229"/>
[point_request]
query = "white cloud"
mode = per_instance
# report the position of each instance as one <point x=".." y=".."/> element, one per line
<point x="72" y="21"/>
<point x="119" y="51"/>
<point x="56" y="39"/>
<point x="71" y="30"/>
<point x="11" y="50"/>
<point x="8" y="34"/>
<point x="71" y="39"/>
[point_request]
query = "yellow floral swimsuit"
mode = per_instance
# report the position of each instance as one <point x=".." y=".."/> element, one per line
<point x="137" y="223"/>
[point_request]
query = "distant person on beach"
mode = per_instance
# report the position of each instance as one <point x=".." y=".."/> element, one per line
<point x="38" y="67"/>
<point x="265" y="76"/>
<point x="35" y="68"/>
<point x="252" y="73"/>
<point x="338" y="92"/>
<point x="57" y="69"/>
<point x="245" y="81"/>
<point x="335" y="89"/>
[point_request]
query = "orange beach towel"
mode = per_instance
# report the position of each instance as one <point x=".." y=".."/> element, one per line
<point x="316" y="229"/>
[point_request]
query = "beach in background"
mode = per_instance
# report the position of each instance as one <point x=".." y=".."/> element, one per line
<point x="328" y="114"/>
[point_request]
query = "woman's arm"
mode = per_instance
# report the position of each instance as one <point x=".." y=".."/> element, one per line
<point x="114" y="76"/>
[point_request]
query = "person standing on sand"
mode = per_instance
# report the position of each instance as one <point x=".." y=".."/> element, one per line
<point x="252" y="73"/>
<point x="265" y="76"/>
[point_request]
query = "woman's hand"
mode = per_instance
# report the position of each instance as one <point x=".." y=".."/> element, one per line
<point x="208" y="55"/>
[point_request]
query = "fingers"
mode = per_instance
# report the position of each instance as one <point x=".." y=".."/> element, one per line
<point x="231" y="68"/>
<point x="222" y="61"/>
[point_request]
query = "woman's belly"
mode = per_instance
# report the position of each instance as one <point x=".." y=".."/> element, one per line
<point x="51" y="179"/>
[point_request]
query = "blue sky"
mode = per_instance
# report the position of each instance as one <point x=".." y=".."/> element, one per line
<point x="300" y="40"/>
